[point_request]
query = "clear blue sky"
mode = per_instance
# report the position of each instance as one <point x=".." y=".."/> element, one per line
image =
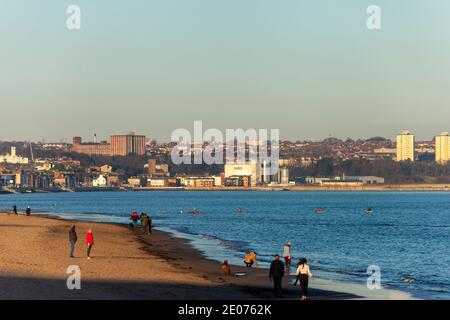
<point x="309" y="68"/>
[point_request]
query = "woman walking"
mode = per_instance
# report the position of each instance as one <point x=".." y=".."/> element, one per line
<point x="89" y="242"/>
<point x="304" y="274"/>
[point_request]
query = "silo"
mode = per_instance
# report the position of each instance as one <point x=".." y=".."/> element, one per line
<point x="283" y="176"/>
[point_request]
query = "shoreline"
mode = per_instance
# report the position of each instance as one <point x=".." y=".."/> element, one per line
<point x="186" y="273"/>
<point x="275" y="188"/>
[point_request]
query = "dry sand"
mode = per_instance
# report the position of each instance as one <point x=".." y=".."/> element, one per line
<point x="125" y="264"/>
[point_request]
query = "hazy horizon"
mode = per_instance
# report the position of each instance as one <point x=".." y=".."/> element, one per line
<point x="309" y="68"/>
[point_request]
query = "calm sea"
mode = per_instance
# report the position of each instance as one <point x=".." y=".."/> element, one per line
<point x="407" y="235"/>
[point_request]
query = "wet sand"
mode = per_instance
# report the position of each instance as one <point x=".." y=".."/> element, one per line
<point x="126" y="264"/>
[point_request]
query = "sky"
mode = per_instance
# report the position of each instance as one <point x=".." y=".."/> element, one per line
<point x="309" y="68"/>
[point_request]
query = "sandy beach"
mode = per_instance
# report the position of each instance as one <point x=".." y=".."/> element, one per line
<point x="126" y="264"/>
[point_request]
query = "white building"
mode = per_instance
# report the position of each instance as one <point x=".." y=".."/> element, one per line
<point x="157" y="182"/>
<point x="100" y="182"/>
<point x="443" y="148"/>
<point x="405" y="146"/>
<point x="13" y="158"/>
<point x="365" y="179"/>
<point x="252" y="169"/>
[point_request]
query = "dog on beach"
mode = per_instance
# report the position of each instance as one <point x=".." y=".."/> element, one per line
<point x="226" y="268"/>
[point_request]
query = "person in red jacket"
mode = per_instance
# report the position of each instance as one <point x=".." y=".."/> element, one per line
<point x="134" y="217"/>
<point x="89" y="242"/>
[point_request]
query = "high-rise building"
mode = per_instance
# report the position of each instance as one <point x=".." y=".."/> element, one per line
<point x="405" y="146"/>
<point x="443" y="148"/>
<point x="122" y="145"/>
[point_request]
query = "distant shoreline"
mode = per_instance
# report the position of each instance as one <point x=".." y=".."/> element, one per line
<point x="365" y="188"/>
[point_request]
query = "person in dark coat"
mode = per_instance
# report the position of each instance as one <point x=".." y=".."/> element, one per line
<point x="150" y="222"/>
<point x="145" y="223"/>
<point x="15" y="209"/>
<point x="276" y="274"/>
<point x="28" y="211"/>
<point x="73" y="238"/>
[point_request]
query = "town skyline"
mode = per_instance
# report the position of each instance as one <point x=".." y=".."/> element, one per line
<point x="99" y="138"/>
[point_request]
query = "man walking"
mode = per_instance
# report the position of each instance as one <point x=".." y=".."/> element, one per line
<point x="73" y="240"/>
<point x="276" y="274"/>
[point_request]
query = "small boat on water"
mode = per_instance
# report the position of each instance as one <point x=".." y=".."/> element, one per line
<point x="369" y="210"/>
<point x="194" y="212"/>
<point x="320" y="210"/>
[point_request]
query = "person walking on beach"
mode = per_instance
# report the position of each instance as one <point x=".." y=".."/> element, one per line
<point x="250" y="259"/>
<point x="287" y="255"/>
<point x="89" y="242"/>
<point x="145" y="222"/>
<point x="73" y="240"/>
<point x="304" y="274"/>
<point x="276" y="275"/>
<point x="134" y="217"/>
<point x="15" y="210"/>
<point x="149" y="224"/>
<point x="28" y="211"/>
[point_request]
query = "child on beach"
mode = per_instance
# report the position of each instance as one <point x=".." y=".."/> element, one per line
<point x="303" y="273"/>
<point x="89" y="242"/>
<point x="226" y="268"/>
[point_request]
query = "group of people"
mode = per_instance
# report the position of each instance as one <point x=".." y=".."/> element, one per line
<point x="73" y="238"/>
<point x="27" y="211"/>
<point x="278" y="269"/>
<point x="145" y="219"/>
